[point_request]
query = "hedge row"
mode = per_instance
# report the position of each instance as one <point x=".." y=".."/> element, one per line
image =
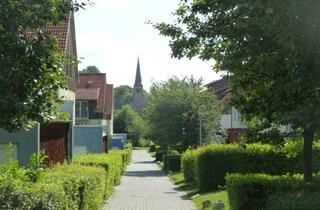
<point x="209" y="165"/>
<point x="113" y="163"/>
<point x="260" y="191"/>
<point x="172" y="162"/>
<point x="63" y="187"/>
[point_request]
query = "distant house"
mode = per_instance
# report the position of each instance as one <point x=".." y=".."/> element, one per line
<point x="230" y="118"/>
<point x="54" y="139"/>
<point x="94" y="101"/>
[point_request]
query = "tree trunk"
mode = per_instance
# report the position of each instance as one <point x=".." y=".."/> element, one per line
<point x="308" y="135"/>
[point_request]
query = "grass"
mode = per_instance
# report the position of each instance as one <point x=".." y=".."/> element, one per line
<point x="191" y="191"/>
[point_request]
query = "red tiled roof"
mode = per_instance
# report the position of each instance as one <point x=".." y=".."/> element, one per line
<point x="87" y="94"/>
<point x="109" y="101"/>
<point x="94" y="81"/>
<point x="60" y="31"/>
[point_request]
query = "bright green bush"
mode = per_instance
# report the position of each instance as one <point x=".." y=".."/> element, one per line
<point x="113" y="163"/>
<point x="172" y="162"/>
<point x="188" y="165"/>
<point x="83" y="185"/>
<point x="256" y="191"/>
<point x="215" y="161"/>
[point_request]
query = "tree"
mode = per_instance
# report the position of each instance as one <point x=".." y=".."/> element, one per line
<point x="126" y="120"/>
<point x="30" y="70"/>
<point x="123" y="95"/>
<point x="269" y="48"/>
<point x="91" y="69"/>
<point x="177" y="107"/>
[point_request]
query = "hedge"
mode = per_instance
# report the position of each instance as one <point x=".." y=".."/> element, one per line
<point x="189" y="165"/>
<point x="114" y="164"/>
<point x="215" y="161"/>
<point x="259" y="191"/>
<point x="83" y="186"/>
<point x="172" y="162"/>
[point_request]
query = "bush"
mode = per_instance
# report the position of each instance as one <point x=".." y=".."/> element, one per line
<point x="303" y="200"/>
<point x="188" y="165"/>
<point x="256" y="191"/>
<point x="113" y="163"/>
<point x="84" y="186"/>
<point x="215" y="161"/>
<point x="159" y="155"/>
<point x="172" y="162"/>
<point x="152" y="147"/>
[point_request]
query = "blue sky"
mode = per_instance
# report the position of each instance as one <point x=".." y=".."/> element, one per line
<point x="112" y="33"/>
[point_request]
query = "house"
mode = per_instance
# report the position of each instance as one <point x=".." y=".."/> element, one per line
<point x="94" y="113"/>
<point x="230" y="118"/>
<point x="94" y="101"/>
<point x="55" y="139"/>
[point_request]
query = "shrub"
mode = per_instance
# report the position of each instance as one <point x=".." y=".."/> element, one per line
<point x="84" y="186"/>
<point x="252" y="191"/>
<point x="188" y="165"/>
<point x="159" y="155"/>
<point x="111" y="162"/>
<point x="215" y="161"/>
<point x="152" y="147"/>
<point x="172" y="162"/>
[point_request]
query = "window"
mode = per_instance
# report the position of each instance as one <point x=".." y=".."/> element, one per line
<point x="82" y="111"/>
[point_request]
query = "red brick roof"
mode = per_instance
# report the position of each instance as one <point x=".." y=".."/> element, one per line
<point x="94" y="81"/>
<point x="60" y="31"/>
<point x="87" y="94"/>
<point x="109" y="101"/>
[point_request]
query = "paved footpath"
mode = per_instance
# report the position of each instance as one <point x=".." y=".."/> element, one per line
<point x="145" y="187"/>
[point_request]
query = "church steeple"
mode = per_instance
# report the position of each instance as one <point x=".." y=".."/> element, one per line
<point x="139" y="101"/>
<point x="138" y="80"/>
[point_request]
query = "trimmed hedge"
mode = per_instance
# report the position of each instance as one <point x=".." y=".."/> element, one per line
<point x="215" y="161"/>
<point x="259" y="191"/>
<point x="159" y="156"/>
<point x="83" y="186"/>
<point x="114" y="164"/>
<point x="189" y="165"/>
<point x="172" y="162"/>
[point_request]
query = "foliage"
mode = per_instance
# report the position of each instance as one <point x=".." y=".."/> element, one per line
<point x="126" y="120"/>
<point x="144" y="142"/>
<point x="188" y="165"/>
<point x="83" y="186"/>
<point x="36" y="166"/>
<point x="252" y="191"/>
<point x="123" y="95"/>
<point x="31" y="64"/>
<point x="172" y="162"/>
<point x="270" y="51"/>
<point x="213" y="162"/>
<point x="175" y="109"/>
<point x="91" y="69"/>
<point x="114" y="163"/>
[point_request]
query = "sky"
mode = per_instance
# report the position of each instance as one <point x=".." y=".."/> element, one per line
<point x="112" y="34"/>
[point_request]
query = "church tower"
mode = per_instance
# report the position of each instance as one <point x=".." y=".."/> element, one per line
<point x="139" y="100"/>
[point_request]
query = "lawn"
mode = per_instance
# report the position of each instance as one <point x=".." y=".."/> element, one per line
<point x="192" y="191"/>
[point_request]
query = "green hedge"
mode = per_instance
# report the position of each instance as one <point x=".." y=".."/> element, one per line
<point x="215" y="161"/>
<point x="83" y="186"/>
<point x="159" y="156"/>
<point x="189" y="165"/>
<point x="257" y="191"/>
<point x="172" y="162"/>
<point x="114" y="163"/>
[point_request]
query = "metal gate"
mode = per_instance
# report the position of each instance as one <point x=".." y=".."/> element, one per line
<point x="54" y="142"/>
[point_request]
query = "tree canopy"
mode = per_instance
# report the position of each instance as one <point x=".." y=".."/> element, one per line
<point x="271" y="51"/>
<point x="91" y="69"/>
<point x="123" y="95"/>
<point x="31" y="65"/>
<point x="177" y="107"/>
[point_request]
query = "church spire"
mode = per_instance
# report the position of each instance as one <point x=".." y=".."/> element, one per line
<point x="138" y="80"/>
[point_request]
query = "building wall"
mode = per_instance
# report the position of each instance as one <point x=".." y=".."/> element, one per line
<point x="87" y="139"/>
<point x="27" y="143"/>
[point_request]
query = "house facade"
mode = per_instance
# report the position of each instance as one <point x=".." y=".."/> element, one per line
<point x="94" y="101"/>
<point x="230" y="118"/>
<point x="55" y="139"/>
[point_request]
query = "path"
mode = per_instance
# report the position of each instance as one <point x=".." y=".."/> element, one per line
<point x="145" y="187"/>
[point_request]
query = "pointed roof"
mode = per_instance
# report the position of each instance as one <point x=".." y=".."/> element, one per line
<point x="138" y="80"/>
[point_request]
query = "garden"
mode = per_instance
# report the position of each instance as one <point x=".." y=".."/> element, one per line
<point x="85" y="183"/>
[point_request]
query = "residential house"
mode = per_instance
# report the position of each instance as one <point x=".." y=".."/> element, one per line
<point x="55" y="139"/>
<point x="230" y="118"/>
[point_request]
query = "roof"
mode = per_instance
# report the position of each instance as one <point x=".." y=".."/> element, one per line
<point x="60" y="31"/>
<point x="87" y="94"/>
<point x="222" y="89"/>
<point x="138" y="80"/>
